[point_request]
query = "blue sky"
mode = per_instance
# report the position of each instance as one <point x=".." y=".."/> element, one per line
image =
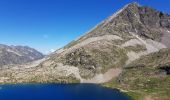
<point x="51" y="24"/>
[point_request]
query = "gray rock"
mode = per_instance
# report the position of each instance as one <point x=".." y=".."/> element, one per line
<point x="18" y="55"/>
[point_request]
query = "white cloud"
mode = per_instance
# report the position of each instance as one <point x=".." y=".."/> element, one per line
<point x="50" y="51"/>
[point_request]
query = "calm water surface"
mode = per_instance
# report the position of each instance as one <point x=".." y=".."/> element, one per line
<point x="59" y="92"/>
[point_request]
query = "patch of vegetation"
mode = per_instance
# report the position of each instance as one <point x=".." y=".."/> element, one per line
<point x="158" y="59"/>
<point x="52" y="79"/>
<point x="135" y="95"/>
<point x="72" y="43"/>
<point x="137" y="48"/>
<point x="147" y="81"/>
<point x="82" y="59"/>
<point x="138" y="83"/>
<point x="95" y="59"/>
<point x="144" y="78"/>
<point x="114" y="57"/>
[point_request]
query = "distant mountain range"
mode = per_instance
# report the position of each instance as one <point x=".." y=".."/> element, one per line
<point x="18" y="55"/>
<point x="129" y="51"/>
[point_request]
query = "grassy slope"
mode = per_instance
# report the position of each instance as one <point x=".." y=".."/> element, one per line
<point x="143" y="78"/>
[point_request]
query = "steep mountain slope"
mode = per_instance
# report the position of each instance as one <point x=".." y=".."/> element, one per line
<point x="125" y="36"/>
<point x="17" y="55"/>
<point x="120" y="51"/>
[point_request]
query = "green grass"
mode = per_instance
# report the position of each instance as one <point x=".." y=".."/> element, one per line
<point x="141" y="82"/>
<point x="135" y="95"/>
<point x="137" y="48"/>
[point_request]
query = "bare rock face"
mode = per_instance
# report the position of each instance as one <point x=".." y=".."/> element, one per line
<point x="18" y="55"/>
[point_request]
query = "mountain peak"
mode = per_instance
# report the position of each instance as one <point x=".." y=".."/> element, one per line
<point x="129" y="7"/>
<point x="142" y="20"/>
<point x="133" y="4"/>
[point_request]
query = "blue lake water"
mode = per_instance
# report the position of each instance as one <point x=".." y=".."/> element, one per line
<point x="59" y="92"/>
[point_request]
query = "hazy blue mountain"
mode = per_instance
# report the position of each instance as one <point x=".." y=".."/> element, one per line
<point x="18" y="54"/>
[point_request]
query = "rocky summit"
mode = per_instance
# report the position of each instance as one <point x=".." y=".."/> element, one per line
<point x="129" y="51"/>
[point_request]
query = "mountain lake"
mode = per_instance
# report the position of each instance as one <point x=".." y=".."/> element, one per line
<point x="59" y="92"/>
